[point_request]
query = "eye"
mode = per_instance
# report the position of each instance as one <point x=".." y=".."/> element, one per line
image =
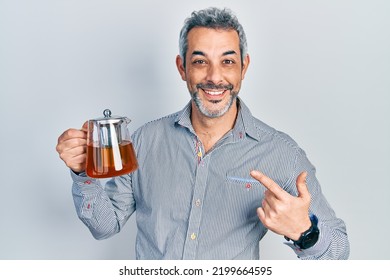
<point x="228" y="61"/>
<point x="199" y="61"/>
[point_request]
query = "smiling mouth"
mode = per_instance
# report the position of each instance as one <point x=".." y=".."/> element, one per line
<point x="213" y="91"/>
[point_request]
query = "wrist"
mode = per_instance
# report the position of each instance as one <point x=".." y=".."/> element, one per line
<point x="306" y="224"/>
<point x="309" y="237"/>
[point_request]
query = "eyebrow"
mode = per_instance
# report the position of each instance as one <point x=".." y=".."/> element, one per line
<point x="203" y="54"/>
<point x="198" y="53"/>
<point x="229" y="52"/>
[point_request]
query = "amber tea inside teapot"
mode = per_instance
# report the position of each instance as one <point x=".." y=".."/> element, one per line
<point x="110" y="151"/>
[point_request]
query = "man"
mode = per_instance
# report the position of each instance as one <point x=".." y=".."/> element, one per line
<point x="200" y="191"/>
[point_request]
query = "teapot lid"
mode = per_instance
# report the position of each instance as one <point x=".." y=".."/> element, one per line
<point x="110" y="119"/>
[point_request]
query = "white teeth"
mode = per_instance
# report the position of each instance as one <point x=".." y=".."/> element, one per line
<point x="214" y="92"/>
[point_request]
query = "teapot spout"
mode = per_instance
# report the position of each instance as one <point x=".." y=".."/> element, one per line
<point x="127" y="120"/>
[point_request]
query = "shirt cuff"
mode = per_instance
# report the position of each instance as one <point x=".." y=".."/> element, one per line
<point x="83" y="183"/>
<point x="317" y="249"/>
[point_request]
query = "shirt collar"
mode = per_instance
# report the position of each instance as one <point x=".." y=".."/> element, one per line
<point x="183" y="118"/>
<point x="246" y="120"/>
<point x="243" y="127"/>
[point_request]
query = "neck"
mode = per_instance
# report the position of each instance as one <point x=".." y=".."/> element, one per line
<point x="210" y="130"/>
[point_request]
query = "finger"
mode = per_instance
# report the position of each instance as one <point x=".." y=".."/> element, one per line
<point x="75" y="158"/>
<point x="261" y="214"/>
<point x="73" y="155"/>
<point x="302" y="189"/>
<point x="80" y="158"/>
<point x="76" y="151"/>
<point x="269" y="184"/>
<point x="265" y="205"/>
<point x="271" y="201"/>
<point x="70" y="144"/>
<point x="72" y="133"/>
<point x="77" y="164"/>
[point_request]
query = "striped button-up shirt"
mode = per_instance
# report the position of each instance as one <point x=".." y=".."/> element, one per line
<point x="191" y="204"/>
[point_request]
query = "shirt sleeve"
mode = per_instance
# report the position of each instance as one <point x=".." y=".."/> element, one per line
<point x="104" y="210"/>
<point x="333" y="241"/>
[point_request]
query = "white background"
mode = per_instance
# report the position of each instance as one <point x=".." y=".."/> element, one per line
<point x="320" y="71"/>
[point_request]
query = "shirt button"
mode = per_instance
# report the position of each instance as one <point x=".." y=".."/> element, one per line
<point x="193" y="236"/>
<point x="197" y="202"/>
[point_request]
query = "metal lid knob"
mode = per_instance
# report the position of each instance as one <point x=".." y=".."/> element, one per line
<point x="107" y="113"/>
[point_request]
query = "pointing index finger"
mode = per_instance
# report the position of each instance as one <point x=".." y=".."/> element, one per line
<point x="268" y="183"/>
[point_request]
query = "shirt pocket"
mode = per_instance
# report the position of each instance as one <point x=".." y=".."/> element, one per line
<point x="247" y="192"/>
<point x="243" y="182"/>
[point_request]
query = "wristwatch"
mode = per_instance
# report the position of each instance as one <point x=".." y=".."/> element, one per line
<point x="309" y="237"/>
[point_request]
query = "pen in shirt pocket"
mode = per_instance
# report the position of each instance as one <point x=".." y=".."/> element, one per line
<point x="246" y="182"/>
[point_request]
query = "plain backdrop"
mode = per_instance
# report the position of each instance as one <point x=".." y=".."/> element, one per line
<point x="320" y="71"/>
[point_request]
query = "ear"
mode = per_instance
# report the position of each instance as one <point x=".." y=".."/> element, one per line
<point x="245" y="65"/>
<point x="180" y="67"/>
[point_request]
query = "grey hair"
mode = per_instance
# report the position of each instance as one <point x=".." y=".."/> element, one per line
<point x="212" y="18"/>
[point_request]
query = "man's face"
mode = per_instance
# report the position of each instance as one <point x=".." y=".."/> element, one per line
<point x="214" y="70"/>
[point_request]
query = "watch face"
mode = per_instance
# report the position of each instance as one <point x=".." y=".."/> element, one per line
<point x="310" y="239"/>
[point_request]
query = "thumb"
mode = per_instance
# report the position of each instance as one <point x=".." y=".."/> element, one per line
<point x="85" y="126"/>
<point x="303" y="192"/>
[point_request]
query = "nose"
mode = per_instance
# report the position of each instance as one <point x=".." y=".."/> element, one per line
<point x="214" y="74"/>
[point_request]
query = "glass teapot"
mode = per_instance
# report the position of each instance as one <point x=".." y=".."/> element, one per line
<point x="110" y="151"/>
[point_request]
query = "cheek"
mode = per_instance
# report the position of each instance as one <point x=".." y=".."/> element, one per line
<point x="194" y="78"/>
<point x="234" y="76"/>
<point x="191" y="85"/>
<point x="196" y="74"/>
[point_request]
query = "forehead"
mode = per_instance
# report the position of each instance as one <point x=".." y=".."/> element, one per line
<point x="203" y="39"/>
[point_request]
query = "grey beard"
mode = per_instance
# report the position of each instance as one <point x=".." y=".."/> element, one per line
<point x="216" y="113"/>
